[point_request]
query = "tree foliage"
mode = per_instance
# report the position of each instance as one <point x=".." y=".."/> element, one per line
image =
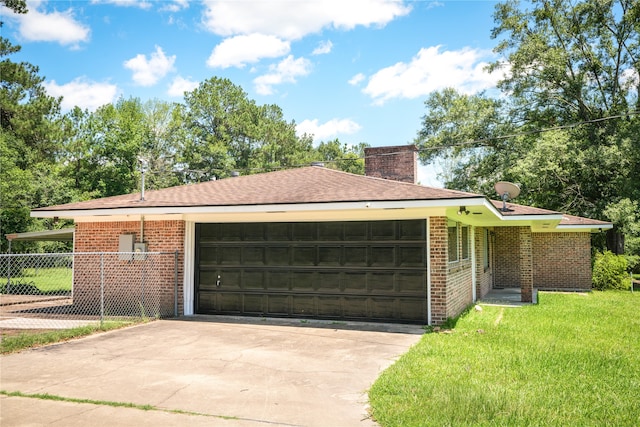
<point x="565" y="126"/>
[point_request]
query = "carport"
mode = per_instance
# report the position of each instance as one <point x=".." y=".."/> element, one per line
<point x="60" y="235"/>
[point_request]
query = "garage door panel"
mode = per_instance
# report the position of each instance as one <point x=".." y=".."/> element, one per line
<point x="380" y="282"/>
<point x="355" y="283"/>
<point x="303" y="281"/>
<point x="277" y="280"/>
<point x="411" y="256"/>
<point x="277" y="256"/>
<point x="253" y="304"/>
<point x="408" y="283"/>
<point x="355" y="256"/>
<point x="230" y="256"/>
<point x="327" y="282"/>
<point x="330" y="306"/>
<point x="338" y="270"/>
<point x="253" y="256"/>
<point x="330" y="256"/>
<point x="305" y="255"/>
<point x="304" y="305"/>
<point x="278" y="305"/>
<point x="383" y="256"/>
<point x="413" y="309"/>
<point x="253" y="280"/>
<point x="355" y="308"/>
<point x="208" y="279"/>
<point x="382" y="308"/>
<point x="229" y="303"/>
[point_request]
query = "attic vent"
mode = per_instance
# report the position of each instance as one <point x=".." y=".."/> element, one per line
<point x="319" y="164"/>
<point x="235" y="174"/>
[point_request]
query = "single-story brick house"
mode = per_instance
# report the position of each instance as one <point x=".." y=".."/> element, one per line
<point x="318" y="243"/>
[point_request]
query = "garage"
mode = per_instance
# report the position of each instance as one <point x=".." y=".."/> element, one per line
<point x="352" y="270"/>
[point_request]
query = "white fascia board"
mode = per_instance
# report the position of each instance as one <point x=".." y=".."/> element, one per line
<point x="585" y="228"/>
<point x="297" y="207"/>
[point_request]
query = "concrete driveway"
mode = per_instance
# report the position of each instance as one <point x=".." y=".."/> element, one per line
<point x="216" y="371"/>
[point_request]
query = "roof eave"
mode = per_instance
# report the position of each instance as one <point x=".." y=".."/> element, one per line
<point x="239" y="209"/>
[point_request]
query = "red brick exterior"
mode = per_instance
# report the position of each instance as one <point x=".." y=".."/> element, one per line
<point x="484" y="277"/>
<point x="161" y="236"/>
<point x="526" y="264"/>
<point x="558" y="260"/>
<point x="394" y="163"/>
<point x="507" y="257"/>
<point x="438" y="263"/>
<point x="451" y="282"/>
<point x="562" y="260"/>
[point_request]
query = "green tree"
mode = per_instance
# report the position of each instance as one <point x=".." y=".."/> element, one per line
<point x="342" y="157"/>
<point x="573" y="69"/>
<point x="29" y="140"/>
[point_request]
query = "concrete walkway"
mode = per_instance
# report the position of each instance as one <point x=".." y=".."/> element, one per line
<point x="232" y="372"/>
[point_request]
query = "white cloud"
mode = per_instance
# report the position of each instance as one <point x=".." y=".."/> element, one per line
<point x="433" y="4"/>
<point x="285" y="71"/>
<point x="431" y="70"/>
<point x="180" y="85"/>
<point x="60" y="27"/>
<point x="147" y="72"/>
<point x="292" y="20"/>
<point x="240" y="50"/>
<point x="327" y="130"/>
<point x="126" y="3"/>
<point x="323" y="48"/>
<point x="82" y="93"/>
<point x="175" y="6"/>
<point x="357" y="79"/>
<point x="630" y="79"/>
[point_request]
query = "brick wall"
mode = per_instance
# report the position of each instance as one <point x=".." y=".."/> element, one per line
<point x="397" y="163"/>
<point x="484" y="277"/>
<point x="526" y="264"/>
<point x="507" y="257"/>
<point x="562" y="260"/>
<point x="161" y="236"/>
<point x="451" y="283"/>
<point x="438" y="265"/>
<point x="559" y="260"/>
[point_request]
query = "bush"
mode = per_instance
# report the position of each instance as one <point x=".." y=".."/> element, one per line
<point x="610" y="271"/>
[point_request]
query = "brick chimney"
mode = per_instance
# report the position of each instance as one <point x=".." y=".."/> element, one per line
<point x="398" y="163"/>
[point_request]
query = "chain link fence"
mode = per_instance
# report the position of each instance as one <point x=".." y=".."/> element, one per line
<point x="57" y="291"/>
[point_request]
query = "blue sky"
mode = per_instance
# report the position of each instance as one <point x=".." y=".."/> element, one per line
<point x="357" y="70"/>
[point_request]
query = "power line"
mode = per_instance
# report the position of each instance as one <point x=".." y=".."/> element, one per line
<point x="477" y="142"/>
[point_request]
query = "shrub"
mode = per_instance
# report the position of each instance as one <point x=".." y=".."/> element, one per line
<point x="610" y="271"/>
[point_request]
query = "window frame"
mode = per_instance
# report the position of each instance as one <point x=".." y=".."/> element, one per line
<point x="465" y="247"/>
<point x="452" y="225"/>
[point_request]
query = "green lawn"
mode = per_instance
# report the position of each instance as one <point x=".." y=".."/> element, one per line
<point x="42" y="280"/>
<point x="571" y="360"/>
<point x="11" y="344"/>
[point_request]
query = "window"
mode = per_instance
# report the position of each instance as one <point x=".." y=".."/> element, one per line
<point x="485" y="249"/>
<point x="464" y="233"/>
<point x="452" y="232"/>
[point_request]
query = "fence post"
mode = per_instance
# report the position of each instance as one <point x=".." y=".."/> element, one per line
<point x="175" y="285"/>
<point x="101" y="289"/>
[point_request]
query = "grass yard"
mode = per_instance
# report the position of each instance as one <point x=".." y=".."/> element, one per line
<point x="34" y="338"/>
<point x="43" y="280"/>
<point x="571" y="360"/>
